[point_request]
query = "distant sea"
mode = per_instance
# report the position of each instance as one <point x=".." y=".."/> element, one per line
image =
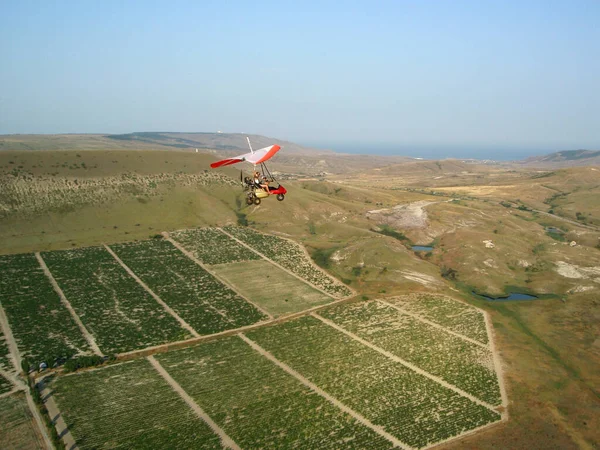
<point x="431" y="152"/>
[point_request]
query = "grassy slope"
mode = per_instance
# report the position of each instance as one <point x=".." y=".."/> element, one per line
<point x="550" y="348"/>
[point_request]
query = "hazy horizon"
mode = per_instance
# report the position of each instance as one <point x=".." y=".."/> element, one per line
<point x="471" y="78"/>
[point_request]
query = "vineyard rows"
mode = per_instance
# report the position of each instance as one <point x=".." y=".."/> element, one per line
<point x="291" y="256"/>
<point x="415" y="409"/>
<point x="259" y="405"/>
<point x="114" y="307"/>
<point x="41" y="325"/>
<point x="129" y="406"/>
<point x="5" y="363"/>
<point x="211" y="246"/>
<point x="457" y="361"/>
<point x="196" y="296"/>
<point x="455" y="316"/>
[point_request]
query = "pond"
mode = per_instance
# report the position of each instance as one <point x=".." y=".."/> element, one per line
<point x="422" y="248"/>
<point x="511" y="296"/>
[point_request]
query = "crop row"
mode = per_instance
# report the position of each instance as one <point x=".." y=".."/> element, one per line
<point x="17" y="429"/>
<point x="291" y="256"/>
<point x="5" y="385"/>
<point x="454" y="315"/>
<point x="211" y="246"/>
<point x="258" y="404"/>
<point x="415" y="409"/>
<point x="129" y="406"/>
<point x="4" y="353"/>
<point x="113" y="306"/>
<point x="457" y="361"/>
<point x="41" y="325"/>
<point x="194" y="294"/>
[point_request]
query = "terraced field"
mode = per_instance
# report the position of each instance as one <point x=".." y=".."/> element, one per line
<point x="129" y="405"/>
<point x="291" y="256"/>
<point x="196" y="296"/>
<point x="114" y="307"/>
<point x="41" y="325"/>
<point x="258" y="404"/>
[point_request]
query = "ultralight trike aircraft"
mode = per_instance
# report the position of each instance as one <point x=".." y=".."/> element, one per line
<point x="257" y="186"/>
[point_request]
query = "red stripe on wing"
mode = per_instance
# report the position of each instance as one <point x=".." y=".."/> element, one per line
<point x="270" y="153"/>
<point x="225" y="162"/>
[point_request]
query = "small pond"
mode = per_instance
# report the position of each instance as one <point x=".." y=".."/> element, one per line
<point x="511" y="296"/>
<point x="421" y="248"/>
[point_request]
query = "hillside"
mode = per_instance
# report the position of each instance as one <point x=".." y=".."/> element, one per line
<point x="566" y="158"/>
<point x="360" y="227"/>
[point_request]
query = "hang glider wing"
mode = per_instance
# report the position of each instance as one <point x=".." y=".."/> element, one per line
<point x="256" y="157"/>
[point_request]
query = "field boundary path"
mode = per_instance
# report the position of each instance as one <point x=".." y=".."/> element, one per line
<point x="201" y="264"/>
<point x="88" y="336"/>
<point x="359" y="417"/>
<point x="405" y="363"/>
<point x="208" y="337"/>
<point x="56" y="416"/>
<point x="278" y="265"/>
<point x="160" y="301"/>
<point x="497" y="363"/>
<point x="13" y="348"/>
<point x="16" y="358"/>
<point x="435" y="325"/>
<point x="226" y="441"/>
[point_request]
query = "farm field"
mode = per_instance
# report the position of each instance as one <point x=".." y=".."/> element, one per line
<point x="211" y="246"/>
<point x="194" y="294"/>
<point x="5" y="385"/>
<point x="455" y="316"/>
<point x="41" y="325"/>
<point x="459" y="362"/>
<point x="291" y="256"/>
<point x="129" y="405"/>
<point x="17" y="430"/>
<point x="410" y="406"/>
<point x="4" y="353"/>
<point x="258" y="404"/>
<point x="270" y="287"/>
<point x="113" y="306"/>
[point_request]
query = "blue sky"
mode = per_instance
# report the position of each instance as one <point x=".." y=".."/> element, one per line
<point x="481" y="77"/>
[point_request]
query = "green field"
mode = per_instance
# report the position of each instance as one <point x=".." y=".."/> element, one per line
<point x="291" y="256"/>
<point x="211" y="246"/>
<point x="113" y="306"/>
<point x="41" y="325"/>
<point x="17" y="429"/>
<point x="258" y="404"/>
<point x="415" y="409"/>
<point x="450" y="314"/>
<point x="196" y="296"/>
<point x="270" y="287"/>
<point x="457" y="361"/>
<point x="129" y="406"/>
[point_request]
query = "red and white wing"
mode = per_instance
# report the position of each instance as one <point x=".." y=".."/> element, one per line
<point x="257" y="157"/>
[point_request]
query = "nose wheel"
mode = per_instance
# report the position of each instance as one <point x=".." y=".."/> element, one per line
<point x="280" y="197"/>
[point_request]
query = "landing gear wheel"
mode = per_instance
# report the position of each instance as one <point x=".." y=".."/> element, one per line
<point x="249" y="200"/>
<point x="280" y="197"/>
<point x="257" y="201"/>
